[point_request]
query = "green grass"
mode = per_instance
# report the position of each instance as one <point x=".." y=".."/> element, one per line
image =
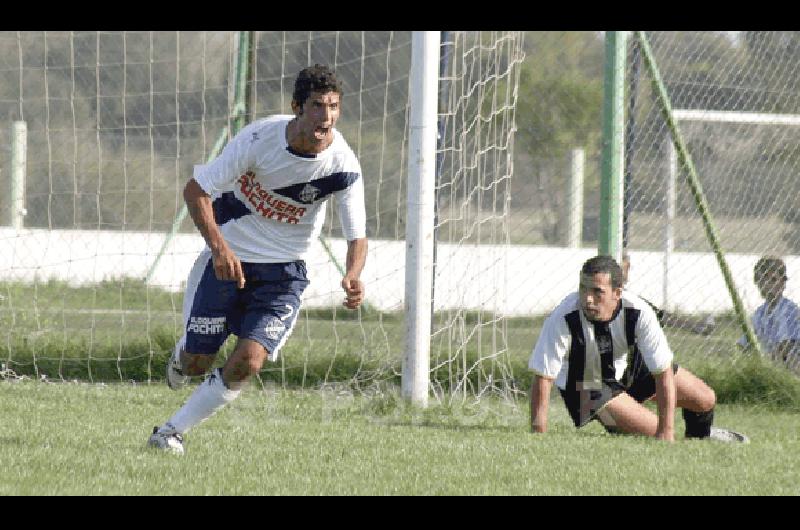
<point x="89" y="439"/>
<point x="121" y="293"/>
<point x="122" y="330"/>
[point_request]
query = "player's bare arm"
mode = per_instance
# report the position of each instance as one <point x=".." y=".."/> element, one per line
<point x="351" y="283"/>
<point x="666" y="397"/>
<point x="226" y="264"/>
<point x="540" y="401"/>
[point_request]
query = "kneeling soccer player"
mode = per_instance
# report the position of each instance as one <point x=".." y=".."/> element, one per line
<point x="607" y="354"/>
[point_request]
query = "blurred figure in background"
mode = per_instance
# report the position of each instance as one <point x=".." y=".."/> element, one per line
<point x="777" y="321"/>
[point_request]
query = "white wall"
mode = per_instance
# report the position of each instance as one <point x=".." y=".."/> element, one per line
<point x="514" y="280"/>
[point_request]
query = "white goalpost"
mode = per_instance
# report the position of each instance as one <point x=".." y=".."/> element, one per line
<point x="92" y="281"/>
<point x="19" y="157"/>
<point x="423" y="100"/>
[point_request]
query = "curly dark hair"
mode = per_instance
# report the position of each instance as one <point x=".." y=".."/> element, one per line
<point x="607" y="264"/>
<point x="317" y="78"/>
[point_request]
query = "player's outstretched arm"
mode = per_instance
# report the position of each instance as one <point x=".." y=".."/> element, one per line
<point x="226" y="264"/>
<point x="540" y="402"/>
<point x="666" y="396"/>
<point x="351" y="283"/>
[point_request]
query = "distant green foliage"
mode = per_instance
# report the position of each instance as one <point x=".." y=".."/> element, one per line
<point x="749" y="379"/>
<point x="561" y="95"/>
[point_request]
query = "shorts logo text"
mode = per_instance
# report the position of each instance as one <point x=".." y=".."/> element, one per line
<point x="206" y="325"/>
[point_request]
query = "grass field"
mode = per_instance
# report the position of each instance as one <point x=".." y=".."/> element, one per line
<point x="89" y="439"/>
<point x="296" y="433"/>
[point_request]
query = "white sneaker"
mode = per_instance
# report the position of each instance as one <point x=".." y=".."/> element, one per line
<point x="166" y="441"/>
<point x="726" y="435"/>
<point x="175" y="377"/>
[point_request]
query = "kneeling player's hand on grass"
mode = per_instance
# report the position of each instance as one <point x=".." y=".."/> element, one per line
<point x="666" y="435"/>
<point x="354" y="292"/>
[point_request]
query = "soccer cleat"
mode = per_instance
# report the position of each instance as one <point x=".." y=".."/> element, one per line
<point x="726" y="435"/>
<point x="175" y="377"/>
<point x="166" y="441"/>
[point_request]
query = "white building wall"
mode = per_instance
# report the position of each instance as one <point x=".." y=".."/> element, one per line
<point x="515" y="280"/>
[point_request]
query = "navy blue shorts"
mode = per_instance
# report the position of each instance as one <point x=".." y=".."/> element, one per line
<point x="265" y="310"/>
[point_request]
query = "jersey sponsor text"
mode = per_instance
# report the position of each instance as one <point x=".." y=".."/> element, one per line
<point x="266" y="203"/>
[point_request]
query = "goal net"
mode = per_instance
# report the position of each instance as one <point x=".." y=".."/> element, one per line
<point x="735" y="102"/>
<point x="112" y="123"/>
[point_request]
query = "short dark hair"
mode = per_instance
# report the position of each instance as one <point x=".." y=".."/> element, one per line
<point x="604" y="264"/>
<point x="317" y="78"/>
<point x="767" y="265"/>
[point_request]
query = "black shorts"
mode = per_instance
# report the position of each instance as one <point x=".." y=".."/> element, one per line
<point x="583" y="405"/>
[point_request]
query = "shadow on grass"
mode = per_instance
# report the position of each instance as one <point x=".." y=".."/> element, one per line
<point x="430" y="424"/>
<point x="13" y="440"/>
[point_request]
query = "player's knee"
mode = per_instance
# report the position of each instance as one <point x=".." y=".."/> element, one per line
<point x="193" y="370"/>
<point x="250" y="362"/>
<point x="708" y="399"/>
<point x="695" y="393"/>
<point x="195" y="364"/>
<point x="254" y="364"/>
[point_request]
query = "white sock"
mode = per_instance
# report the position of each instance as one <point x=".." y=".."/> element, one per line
<point x="208" y="398"/>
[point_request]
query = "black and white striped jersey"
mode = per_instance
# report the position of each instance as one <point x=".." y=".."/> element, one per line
<point x="572" y="349"/>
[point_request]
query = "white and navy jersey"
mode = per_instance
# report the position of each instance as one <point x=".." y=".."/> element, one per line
<point x="270" y="201"/>
<point x="579" y="354"/>
<point x="772" y="328"/>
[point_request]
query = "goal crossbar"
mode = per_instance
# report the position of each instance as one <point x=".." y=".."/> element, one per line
<point x="727" y="116"/>
<point x="705" y="116"/>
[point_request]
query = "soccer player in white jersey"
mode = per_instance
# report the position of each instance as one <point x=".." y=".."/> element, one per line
<point x="607" y="354"/>
<point x="259" y="206"/>
<point x="777" y="320"/>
